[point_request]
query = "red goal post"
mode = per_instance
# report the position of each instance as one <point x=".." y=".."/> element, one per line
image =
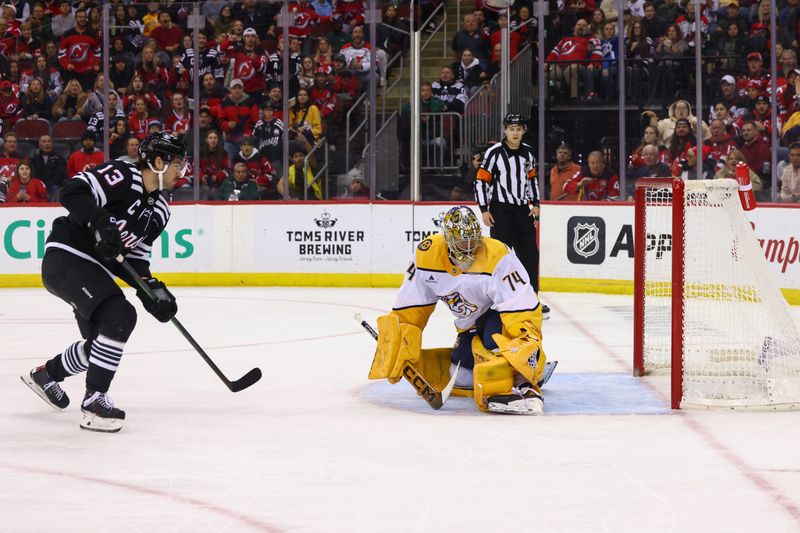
<point x="707" y="309"/>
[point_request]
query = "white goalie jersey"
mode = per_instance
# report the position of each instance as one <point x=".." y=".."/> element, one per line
<point x="495" y="280"/>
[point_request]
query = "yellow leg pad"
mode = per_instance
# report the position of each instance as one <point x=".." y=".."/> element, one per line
<point x="521" y="353"/>
<point x="397" y="344"/>
<point x="492" y="377"/>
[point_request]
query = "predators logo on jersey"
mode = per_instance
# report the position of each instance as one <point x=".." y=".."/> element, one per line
<point x="458" y="304"/>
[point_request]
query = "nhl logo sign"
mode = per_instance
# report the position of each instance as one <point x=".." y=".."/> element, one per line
<point x="586" y="238"/>
<point x="585" y="241"/>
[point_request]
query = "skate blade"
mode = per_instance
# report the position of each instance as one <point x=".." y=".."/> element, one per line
<point x="531" y="407"/>
<point x="26" y="379"/>
<point x="92" y="422"/>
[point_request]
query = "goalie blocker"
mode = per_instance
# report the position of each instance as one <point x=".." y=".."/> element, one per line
<point x="497" y="316"/>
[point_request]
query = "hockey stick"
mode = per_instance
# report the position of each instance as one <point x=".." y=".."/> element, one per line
<point x="235" y="386"/>
<point x="434" y="398"/>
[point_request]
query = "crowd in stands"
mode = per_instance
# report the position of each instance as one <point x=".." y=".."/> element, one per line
<point x="51" y="73"/>
<point x="737" y="122"/>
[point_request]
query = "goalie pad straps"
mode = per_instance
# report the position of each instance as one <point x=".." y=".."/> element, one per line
<point x="524" y="353"/>
<point x="397" y="344"/>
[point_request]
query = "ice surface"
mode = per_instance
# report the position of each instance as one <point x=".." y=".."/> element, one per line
<point x="315" y="446"/>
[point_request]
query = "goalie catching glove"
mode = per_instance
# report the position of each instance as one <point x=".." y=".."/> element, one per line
<point x="162" y="304"/>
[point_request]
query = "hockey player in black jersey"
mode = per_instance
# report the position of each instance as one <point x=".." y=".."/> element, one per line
<point x="117" y="208"/>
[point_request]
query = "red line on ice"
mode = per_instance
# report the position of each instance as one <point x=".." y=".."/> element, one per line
<point x="746" y="470"/>
<point x="192" y="502"/>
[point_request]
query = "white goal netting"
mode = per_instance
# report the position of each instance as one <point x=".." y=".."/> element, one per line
<point x="741" y="347"/>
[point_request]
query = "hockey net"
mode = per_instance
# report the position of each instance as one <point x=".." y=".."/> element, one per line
<point x="707" y="309"/>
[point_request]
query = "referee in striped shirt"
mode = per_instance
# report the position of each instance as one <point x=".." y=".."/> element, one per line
<point x="507" y="192"/>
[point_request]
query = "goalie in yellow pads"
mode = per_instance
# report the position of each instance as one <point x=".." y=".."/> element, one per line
<point x="498" y="319"/>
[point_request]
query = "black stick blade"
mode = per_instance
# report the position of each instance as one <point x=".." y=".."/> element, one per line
<point x="245" y="381"/>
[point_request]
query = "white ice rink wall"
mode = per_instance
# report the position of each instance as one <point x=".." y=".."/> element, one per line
<point x="585" y="247"/>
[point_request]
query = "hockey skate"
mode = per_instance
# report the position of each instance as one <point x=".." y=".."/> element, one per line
<point x="48" y="390"/>
<point x="545" y="312"/>
<point x="99" y="413"/>
<point x="523" y="400"/>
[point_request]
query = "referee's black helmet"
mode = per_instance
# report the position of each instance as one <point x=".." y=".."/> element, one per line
<point x="514" y="119"/>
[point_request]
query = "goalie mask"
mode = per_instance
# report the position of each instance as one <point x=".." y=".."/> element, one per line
<point x="462" y="233"/>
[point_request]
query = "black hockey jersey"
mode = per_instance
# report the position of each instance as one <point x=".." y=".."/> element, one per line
<point x="453" y="94"/>
<point x="117" y="187"/>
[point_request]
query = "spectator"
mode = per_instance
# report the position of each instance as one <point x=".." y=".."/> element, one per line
<point x="324" y="54"/>
<point x="596" y="182"/>
<point x="323" y="9"/>
<point x="393" y="31"/>
<point x="564" y="170"/>
<point x="787" y="64"/>
<point x="352" y="11"/>
<point x="337" y="37"/>
<point x="730" y="47"/>
<point x="137" y="90"/>
<point x="732" y="16"/>
<point x="649" y="137"/>
<point x="249" y="64"/>
<point x="356" y="188"/>
<point x="300" y="176"/>
<point x="325" y="99"/>
<point x="179" y="121"/>
<point x="305" y="18"/>
<point x="681" y="140"/>
<point x="653" y="166"/>
<point x="214" y="162"/>
<point x="762" y="116"/>
<point x="268" y="134"/>
<point x="755" y="74"/>
<point x="343" y="83"/>
<point x="41" y="23"/>
<point x="35" y="103"/>
<point x="640" y="53"/>
<point x="610" y="53"/>
<point x="787" y="96"/>
<point x="357" y="54"/>
<point x="94" y="99"/>
<point x="736" y="103"/>
<point x="238" y="114"/>
<point x="678" y="110"/>
<point x="729" y="171"/>
<point x="259" y="167"/>
<point x="790" y="179"/>
<point x="167" y="35"/>
<point x="64" y="21"/>
<point x="239" y="186"/>
<point x="275" y="66"/>
<point x="118" y="139"/>
<point x="9" y="158"/>
<point x="305" y="77"/>
<point x="50" y="166"/>
<point x="495" y="38"/>
<point x="153" y="74"/>
<point x="756" y="152"/>
<point x="430" y="134"/>
<point x="669" y="10"/>
<point x="469" y="72"/>
<point x="450" y="91"/>
<point x="719" y="145"/>
<point x="569" y="61"/>
<point x="85" y="158"/>
<point x="10" y="109"/>
<point x="79" y="52"/>
<point x="140" y="120"/>
<point x="68" y="106"/>
<point x="256" y="15"/>
<point x="686" y="167"/>
<point x="687" y="23"/>
<point x="211" y="94"/>
<point x="654" y="26"/>
<point x="26" y="188"/>
<point x="305" y="118"/>
<point x="49" y="77"/>
<point x="223" y="22"/>
<point x="470" y="36"/>
<point x="598" y="23"/>
<point x="732" y="124"/>
<point x="671" y="48"/>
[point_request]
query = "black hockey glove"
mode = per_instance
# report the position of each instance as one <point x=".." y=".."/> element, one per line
<point x="107" y="241"/>
<point x="163" y="305"/>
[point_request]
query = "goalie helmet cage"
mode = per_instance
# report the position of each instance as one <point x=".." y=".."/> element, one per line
<point x="707" y="309"/>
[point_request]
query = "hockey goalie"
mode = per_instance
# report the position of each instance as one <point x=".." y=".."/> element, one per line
<point x="497" y="352"/>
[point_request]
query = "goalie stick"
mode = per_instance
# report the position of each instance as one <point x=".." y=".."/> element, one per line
<point x="235" y="386"/>
<point x="434" y="398"/>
